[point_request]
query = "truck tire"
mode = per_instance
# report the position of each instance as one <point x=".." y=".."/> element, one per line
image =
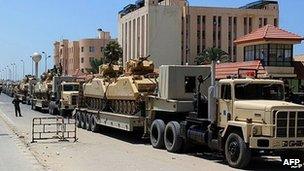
<point x="88" y="122"/>
<point x="62" y="112"/>
<point x="77" y="118"/>
<point x="237" y="153"/>
<point x="83" y="120"/>
<point x="157" y="134"/>
<point x="173" y="139"/>
<point x="94" y="126"/>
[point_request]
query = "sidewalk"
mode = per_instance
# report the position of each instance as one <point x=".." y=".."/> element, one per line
<point x="13" y="154"/>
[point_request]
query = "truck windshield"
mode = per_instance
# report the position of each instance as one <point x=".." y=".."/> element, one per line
<point x="70" y="87"/>
<point x="259" y="91"/>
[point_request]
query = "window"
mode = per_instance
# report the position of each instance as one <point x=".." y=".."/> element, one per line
<point x="91" y="59"/>
<point x="269" y="91"/>
<point x="260" y="22"/>
<point x="275" y="22"/>
<point x="270" y="54"/>
<point x="101" y="49"/>
<point x="91" y="49"/>
<point x="82" y="60"/>
<point x="226" y="92"/>
<point x="82" y="49"/>
<point x="70" y="87"/>
<point x="265" y="21"/>
<point x="250" y="24"/>
<point x="190" y="84"/>
<point x="245" y="26"/>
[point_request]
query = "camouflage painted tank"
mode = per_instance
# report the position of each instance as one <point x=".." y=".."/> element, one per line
<point x="44" y="87"/>
<point x="122" y="94"/>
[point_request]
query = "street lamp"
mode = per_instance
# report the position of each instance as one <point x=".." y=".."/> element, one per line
<point x="14" y="73"/>
<point x="32" y="65"/>
<point x="46" y="58"/>
<point x="23" y="63"/>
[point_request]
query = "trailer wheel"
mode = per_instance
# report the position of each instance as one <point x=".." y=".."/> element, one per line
<point x="173" y="139"/>
<point x="83" y="120"/>
<point x="51" y="110"/>
<point x="78" y="121"/>
<point x="157" y="134"/>
<point x="94" y="125"/>
<point x="237" y="153"/>
<point x="88" y="121"/>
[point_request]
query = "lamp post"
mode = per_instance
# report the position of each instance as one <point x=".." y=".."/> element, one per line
<point x="46" y="58"/>
<point x="32" y="65"/>
<point x="23" y="63"/>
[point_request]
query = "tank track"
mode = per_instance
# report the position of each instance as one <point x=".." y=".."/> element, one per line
<point x="127" y="107"/>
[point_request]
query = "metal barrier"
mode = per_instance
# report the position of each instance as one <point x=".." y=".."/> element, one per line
<point x="47" y="128"/>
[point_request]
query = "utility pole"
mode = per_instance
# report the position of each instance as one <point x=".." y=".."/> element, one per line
<point x="22" y="68"/>
<point x="32" y="65"/>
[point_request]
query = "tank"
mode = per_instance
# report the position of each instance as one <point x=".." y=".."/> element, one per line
<point x="22" y="89"/>
<point x="43" y="88"/>
<point x="122" y="94"/>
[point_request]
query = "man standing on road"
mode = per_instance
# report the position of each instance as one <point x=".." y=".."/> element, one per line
<point x="16" y="103"/>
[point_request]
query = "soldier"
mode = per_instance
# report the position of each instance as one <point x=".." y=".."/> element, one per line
<point x="16" y="103"/>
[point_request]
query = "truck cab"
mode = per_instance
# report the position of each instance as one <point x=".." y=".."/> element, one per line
<point x="256" y="110"/>
<point x="65" y="91"/>
<point x="69" y="94"/>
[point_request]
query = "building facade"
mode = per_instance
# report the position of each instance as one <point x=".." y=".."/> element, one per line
<point x="173" y="32"/>
<point x="75" y="56"/>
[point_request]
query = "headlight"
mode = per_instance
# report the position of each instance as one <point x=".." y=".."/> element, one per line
<point x="257" y="130"/>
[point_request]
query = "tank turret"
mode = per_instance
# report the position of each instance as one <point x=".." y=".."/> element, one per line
<point x="141" y="66"/>
<point x="109" y="70"/>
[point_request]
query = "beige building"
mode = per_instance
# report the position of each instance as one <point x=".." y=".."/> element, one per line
<point x="173" y="32"/>
<point x="77" y="55"/>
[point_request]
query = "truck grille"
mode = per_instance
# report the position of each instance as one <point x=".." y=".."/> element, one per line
<point x="289" y="124"/>
<point x="74" y="100"/>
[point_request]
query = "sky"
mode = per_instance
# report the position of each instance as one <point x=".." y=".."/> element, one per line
<point x="28" y="26"/>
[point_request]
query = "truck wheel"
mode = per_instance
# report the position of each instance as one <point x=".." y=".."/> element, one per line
<point x="88" y="122"/>
<point x="78" y="121"/>
<point x="83" y="120"/>
<point x="237" y="153"/>
<point x="62" y="112"/>
<point x="157" y="134"/>
<point x="173" y="140"/>
<point x="94" y="125"/>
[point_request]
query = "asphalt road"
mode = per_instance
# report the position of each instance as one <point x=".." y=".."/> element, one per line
<point x="108" y="150"/>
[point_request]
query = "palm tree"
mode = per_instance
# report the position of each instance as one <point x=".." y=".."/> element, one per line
<point x="211" y="54"/>
<point x="95" y="63"/>
<point x="112" y="52"/>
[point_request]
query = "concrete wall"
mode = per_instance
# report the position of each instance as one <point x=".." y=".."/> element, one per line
<point x="164" y="35"/>
<point x="151" y="30"/>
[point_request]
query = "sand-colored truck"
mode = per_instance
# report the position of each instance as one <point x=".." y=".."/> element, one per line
<point x="240" y="117"/>
<point x="64" y="95"/>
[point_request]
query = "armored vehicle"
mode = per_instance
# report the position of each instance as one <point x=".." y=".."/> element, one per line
<point x="123" y="94"/>
<point x="42" y="92"/>
<point x="22" y="89"/>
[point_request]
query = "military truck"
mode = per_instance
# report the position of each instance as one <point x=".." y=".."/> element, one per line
<point x="240" y="117"/>
<point x="64" y="95"/>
